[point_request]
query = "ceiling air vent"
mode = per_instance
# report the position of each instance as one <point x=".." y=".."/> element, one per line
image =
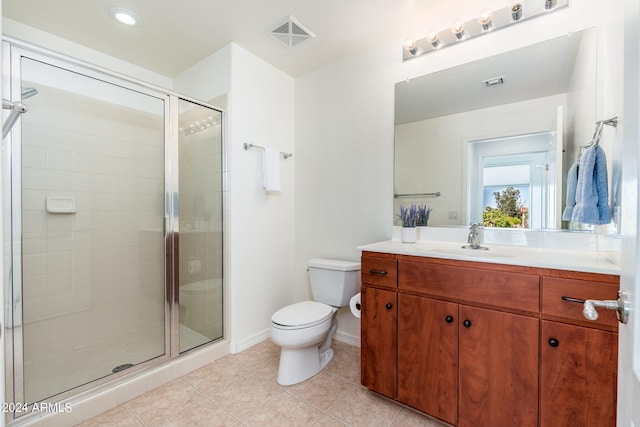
<point x="291" y="32"/>
<point x="496" y="81"/>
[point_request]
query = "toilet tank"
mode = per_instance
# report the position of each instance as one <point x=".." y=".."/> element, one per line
<point x="334" y="282"/>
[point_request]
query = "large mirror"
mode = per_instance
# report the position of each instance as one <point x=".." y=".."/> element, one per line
<point x="507" y="127"/>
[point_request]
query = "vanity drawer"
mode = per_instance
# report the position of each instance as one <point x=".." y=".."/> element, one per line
<point x="554" y="288"/>
<point x="381" y="270"/>
<point x="511" y="290"/>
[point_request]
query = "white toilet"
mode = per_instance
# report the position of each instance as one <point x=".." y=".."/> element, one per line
<point x="305" y="329"/>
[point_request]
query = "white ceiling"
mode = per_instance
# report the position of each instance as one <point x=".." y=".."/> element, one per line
<point x="176" y="34"/>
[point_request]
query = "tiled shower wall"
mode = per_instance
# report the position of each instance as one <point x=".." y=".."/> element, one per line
<point x="201" y="230"/>
<point x="97" y="273"/>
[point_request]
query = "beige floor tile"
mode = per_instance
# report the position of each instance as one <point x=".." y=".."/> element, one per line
<point x="119" y="416"/>
<point x="164" y="401"/>
<point x="346" y="362"/>
<point x="205" y="414"/>
<point x="244" y="395"/>
<point x="215" y="375"/>
<point x="409" y="418"/>
<point x="361" y="407"/>
<point x="328" y="421"/>
<point x="320" y="390"/>
<point x="284" y="410"/>
<point x="264" y="350"/>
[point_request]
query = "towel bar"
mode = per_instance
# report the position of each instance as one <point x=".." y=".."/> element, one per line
<point x="246" y="146"/>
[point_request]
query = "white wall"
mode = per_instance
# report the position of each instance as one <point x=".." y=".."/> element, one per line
<point x="344" y="133"/>
<point x="260" y="225"/>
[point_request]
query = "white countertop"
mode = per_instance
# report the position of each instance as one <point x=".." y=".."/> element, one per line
<point x="586" y="261"/>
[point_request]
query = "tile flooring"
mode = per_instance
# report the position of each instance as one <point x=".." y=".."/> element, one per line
<point x="241" y="390"/>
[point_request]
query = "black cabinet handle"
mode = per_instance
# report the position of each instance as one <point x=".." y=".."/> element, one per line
<point x="389" y="306"/>
<point x="467" y="323"/>
<point x="448" y="319"/>
<point x="571" y="299"/>
<point x="553" y="342"/>
<point x="380" y="272"/>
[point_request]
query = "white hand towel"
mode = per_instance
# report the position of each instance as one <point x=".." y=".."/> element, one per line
<point x="271" y="169"/>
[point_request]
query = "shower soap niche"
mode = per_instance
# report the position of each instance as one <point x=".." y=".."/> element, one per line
<point x="61" y="205"/>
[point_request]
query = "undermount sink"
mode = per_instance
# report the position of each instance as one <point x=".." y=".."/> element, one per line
<point x="472" y="253"/>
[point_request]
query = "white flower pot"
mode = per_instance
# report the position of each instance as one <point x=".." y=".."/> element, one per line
<point x="422" y="232"/>
<point x="409" y="234"/>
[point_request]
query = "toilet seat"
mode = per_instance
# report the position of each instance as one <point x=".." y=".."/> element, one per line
<point x="302" y="315"/>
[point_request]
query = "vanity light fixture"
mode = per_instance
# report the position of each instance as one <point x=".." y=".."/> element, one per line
<point x="125" y="16"/>
<point x="457" y="28"/>
<point x="487" y="21"/>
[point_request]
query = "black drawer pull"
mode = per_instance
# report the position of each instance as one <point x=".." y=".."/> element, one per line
<point x="380" y="272"/>
<point x="448" y="319"/>
<point x="553" y="342"/>
<point x="389" y="306"/>
<point x="571" y="299"/>
<point x="467" y="323"/>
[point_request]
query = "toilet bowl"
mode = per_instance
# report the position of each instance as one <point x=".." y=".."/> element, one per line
<point x="304" y="330"/>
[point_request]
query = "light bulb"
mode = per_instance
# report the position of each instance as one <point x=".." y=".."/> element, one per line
<point x="484" y="19"/>
<point x="432" y="37"/>
<point x="410" y="45"/>
<point x="516" y="12"/>
<point x="457" y="28"/>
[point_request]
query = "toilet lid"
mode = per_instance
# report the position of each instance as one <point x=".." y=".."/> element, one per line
<point x="305" y="313"/>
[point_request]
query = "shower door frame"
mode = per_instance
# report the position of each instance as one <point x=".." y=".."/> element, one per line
<point x="13" y="52"/>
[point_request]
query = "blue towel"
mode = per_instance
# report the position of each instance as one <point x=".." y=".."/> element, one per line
<point x="592" y="192"/>
<point x="572" y="183"/>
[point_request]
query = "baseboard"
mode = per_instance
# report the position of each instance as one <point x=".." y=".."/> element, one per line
<point x="243" y="344"/>
<point x="347" y="338"/>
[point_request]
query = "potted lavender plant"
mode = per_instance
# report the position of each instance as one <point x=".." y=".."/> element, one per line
<point x="408" y="218"/>
<point x="422" y="220"/>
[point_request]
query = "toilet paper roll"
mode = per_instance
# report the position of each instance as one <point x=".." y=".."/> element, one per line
<point x="354" y="304"/>
<point x="194" y="266"/>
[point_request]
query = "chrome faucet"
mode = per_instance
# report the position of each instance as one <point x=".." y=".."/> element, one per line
<point x="474" y="239"/>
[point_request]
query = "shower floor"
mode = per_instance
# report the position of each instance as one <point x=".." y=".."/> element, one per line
<point x="55" y="373"/>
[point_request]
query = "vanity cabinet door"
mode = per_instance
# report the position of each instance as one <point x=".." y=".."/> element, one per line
<point x="498" y="368"/>
<point x="378" y="336"/>
<point x="578" y="376"/>
<point x="428" y="356"/>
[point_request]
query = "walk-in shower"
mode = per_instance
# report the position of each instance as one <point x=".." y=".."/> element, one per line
<point x="112" y="224"/>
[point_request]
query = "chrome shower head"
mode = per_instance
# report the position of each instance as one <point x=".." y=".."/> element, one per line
<point x="28" y="92"/>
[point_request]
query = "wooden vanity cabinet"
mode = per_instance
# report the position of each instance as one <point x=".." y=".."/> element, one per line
<point x="378" y="340"/>
<point x="379" y="313"/>
<point x="579" y="359"/>
<point x="480" y="344"/>
<point x="498" y="359"/>
<point x="428" y="356"/>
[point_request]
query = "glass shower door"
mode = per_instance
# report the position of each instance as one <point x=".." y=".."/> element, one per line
<point x="200" y="230"/>
<point x="89" y="190"/>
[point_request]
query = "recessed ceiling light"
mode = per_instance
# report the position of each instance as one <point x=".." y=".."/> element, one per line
<point x="125" y="16"/>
